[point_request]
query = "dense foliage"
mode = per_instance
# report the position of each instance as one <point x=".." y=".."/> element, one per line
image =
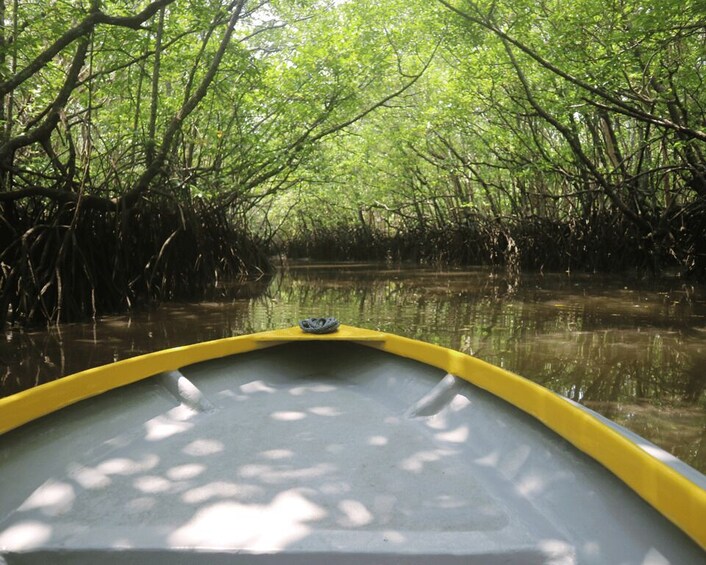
<point x="545" y="134"/>
<point x="151" y="148"/>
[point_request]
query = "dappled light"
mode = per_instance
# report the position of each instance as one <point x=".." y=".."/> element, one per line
<point x="203" y="447"/>
<point x="218" y="490"/>
<point x="418" y="461"/>
<point x="458" y="435"/>
<point x="151" y="484"/>
<point x="522" y="183"/>
<point x="277" y="454"/>
<point x="531" y="486"/>
<point x="358" y="457"/>
<point x="51" y="499"/>
<point x="288" y="416"/>
<point x="325" y="411"/>
<point x="253" y="527"/>
<point x="183" y="472"/>
<point x="276" y="475"/>
<point x="89" y="478"/>
<point x="162" y="427"/>
<point x="356" y="514"/>
<point x="25" y="535"/>
<point x="126" y="466"/>
<point x="378" y="440"/>
<point x="256" y="386"/>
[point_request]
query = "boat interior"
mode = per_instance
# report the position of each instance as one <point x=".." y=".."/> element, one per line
<point x="314" y="452"/>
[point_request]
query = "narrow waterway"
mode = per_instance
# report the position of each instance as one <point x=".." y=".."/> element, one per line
<point x="634" y="350"/>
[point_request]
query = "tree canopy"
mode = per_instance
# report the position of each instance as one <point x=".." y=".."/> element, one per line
<point x="151" y="148"/>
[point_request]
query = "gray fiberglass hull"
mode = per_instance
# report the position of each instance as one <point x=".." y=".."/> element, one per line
<point x="328" y="451"/>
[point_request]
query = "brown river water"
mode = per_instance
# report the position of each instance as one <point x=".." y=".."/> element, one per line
<point x="631" y="349"/>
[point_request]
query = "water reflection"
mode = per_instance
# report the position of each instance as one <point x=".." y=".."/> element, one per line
<point x="633" y="350"/>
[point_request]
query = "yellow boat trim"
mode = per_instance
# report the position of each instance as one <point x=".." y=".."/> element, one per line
<point x="672" y="494"/>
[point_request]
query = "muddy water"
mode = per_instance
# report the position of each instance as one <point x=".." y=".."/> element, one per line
<point x="633" y="350"/>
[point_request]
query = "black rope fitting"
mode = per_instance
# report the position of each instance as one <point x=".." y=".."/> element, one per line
<point x="319" y="325"/>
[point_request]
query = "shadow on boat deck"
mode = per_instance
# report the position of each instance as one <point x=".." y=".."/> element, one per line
<point x="313" y="453"/>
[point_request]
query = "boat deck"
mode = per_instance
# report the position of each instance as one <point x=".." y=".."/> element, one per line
<point x="312" y="453"/>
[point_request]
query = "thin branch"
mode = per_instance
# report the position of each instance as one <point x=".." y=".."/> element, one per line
<point x="82" y="29"/>
<point x="596" y="90"/>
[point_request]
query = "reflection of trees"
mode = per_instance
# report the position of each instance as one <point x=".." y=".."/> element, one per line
<point x="32" y="357"/>
<point x="552" y="344"/>
<point x="588" y="342"/>
<point x="699" y="458"/>
<point x="695" y="378"/>
<point x="611" y="365"/>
